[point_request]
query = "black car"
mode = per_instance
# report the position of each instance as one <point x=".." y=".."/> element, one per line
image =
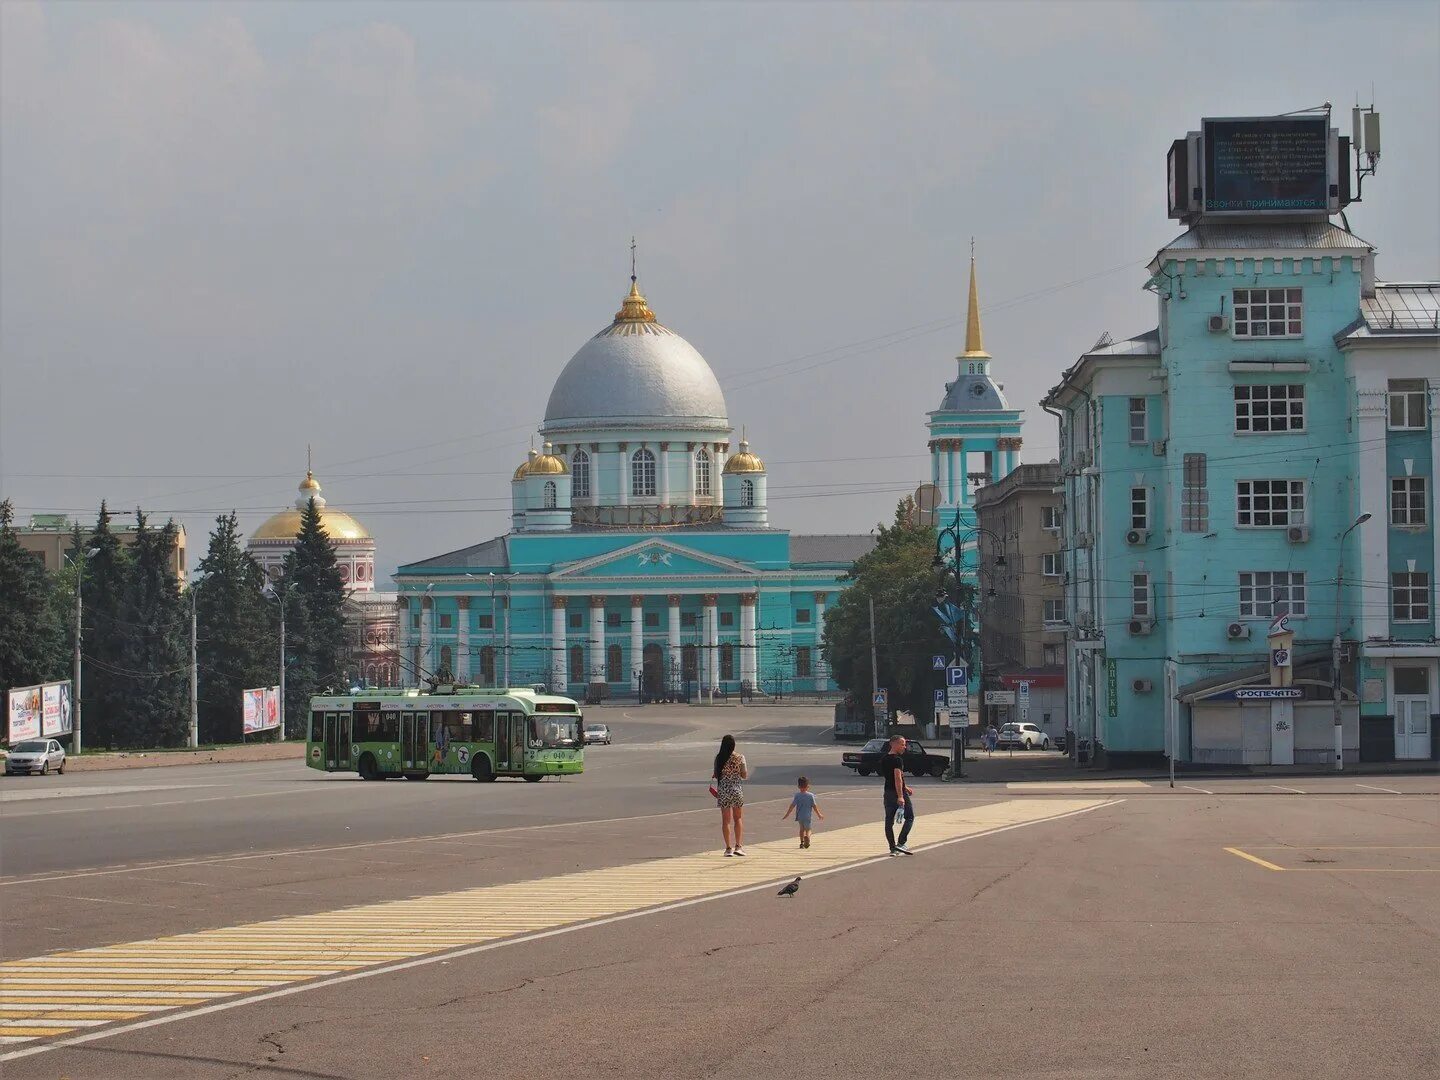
<point x="918" y="760"/>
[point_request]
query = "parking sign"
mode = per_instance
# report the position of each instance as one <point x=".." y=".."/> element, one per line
<point x="955" y="675"/>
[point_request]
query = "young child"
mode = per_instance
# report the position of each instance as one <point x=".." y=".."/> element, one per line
<point x="804" y="806"/>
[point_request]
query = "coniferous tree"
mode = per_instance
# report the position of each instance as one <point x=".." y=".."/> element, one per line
<point x="237" y="645"/>
<point x="104" y="583"/>
<point x="315" y="618"/>
<point x="31" y="624"/>
<point x="154" y="672"/>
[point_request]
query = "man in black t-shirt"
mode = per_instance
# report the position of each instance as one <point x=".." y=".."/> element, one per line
<point x="892" y="772"/>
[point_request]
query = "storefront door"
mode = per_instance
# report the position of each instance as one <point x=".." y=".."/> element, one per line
<point x="1412" y="713"/>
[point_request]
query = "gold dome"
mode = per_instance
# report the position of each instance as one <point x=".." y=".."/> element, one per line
<point x="634" y="308"/>
<point x="524" y="468"/>
<point x="547" y="464"/>
<point x="286" y="524"/>
<point x="744" y="461"/>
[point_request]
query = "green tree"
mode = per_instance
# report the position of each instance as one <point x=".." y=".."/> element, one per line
<point x="105" y="580"/>
<point x="315" y="618"/>
<point x="32" y="635"/>
<point x="236" y="636"/>
<point x="153" y="675"/>
<point x="898" y="574"/>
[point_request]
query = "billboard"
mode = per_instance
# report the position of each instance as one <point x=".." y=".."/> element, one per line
<point x="1260" y="164"/>
<point x="24" y="713"/>
<point x="55" y="709"/>
<point x="261" y="708"/>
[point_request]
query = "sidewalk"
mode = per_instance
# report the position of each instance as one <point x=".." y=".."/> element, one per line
<point x="1050" y="766"/>
<point x="153" y="759"/>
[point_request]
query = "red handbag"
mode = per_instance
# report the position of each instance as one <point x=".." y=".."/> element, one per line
<point x="714" y="791"/>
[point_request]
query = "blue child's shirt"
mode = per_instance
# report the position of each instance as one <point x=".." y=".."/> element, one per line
<point x="804" y="804"/>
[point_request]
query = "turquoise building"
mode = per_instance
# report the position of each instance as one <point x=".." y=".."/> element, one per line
<point x="640" y="559"/>
<point x="1267" y="450"/>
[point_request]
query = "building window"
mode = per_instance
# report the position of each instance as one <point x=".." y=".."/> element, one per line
<point x="1407" y="404"/>
<point x="1055" y="611"/>
<point x="642" y="474"/>
<point x="577" y="663"/>
<point x="727" y="618"/>
<point x="1050" y="563"/>
<point x="485" y="622"/>
<point x="1407" y="500"/>
<point x="487" y="666"/>
<point x="1263" y="504"/>
<point x="747" y="494"/>
<point x="575" y="620"/>
<point x="1265" y="594"/>
<point x="652" y="620"/>
<point x="1140" y="596"/>
<point x="1051" y="517"/>
<point x="1194" y="498"/>
<point x="580" y="474"/>
<point x="446" y="622"/>
<point x="1267" y="313"/>
<point x="415" y="621"/>
<point x="1410" y="597"/>
<point x="550" y="497"/>
<point x="702" y="472"/>
<point x="1265" y="408"/>
<point x="612" y="619"/>
<point x="614" y="665"/>
<point x="1054" y="655"/>
<point x="1139" y="508"/>
<point x="802" y="615"/>
<point x="1139" y="429"/>
<point x="687" y="620"/>
<point x="802" y="662"/>
<point x="727" y="661"/>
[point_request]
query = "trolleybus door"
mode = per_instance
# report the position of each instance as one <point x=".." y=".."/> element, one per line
<point x="502" y="741"/>
<point x="518" y="723"/>
<point x="414" y="744"/>
<point x="337" y="740"/>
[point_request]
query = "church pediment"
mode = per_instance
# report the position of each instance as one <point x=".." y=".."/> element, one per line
<point x="652" y="558"/>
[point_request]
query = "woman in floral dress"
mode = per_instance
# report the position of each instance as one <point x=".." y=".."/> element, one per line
<point x="730" y="770"/>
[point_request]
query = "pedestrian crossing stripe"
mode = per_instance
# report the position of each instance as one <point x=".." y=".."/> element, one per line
<point x="71" y="993"/>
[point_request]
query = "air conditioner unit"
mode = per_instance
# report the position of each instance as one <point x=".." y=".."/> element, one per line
<point x="1218" y="324"/>
<point x="1158" y="447"/>
<point x="1237" y="631"/>
<point x="1141" y="686"/>
<point x="1139" y="627"/>
<point x="1137" y="537"/>
<point x="1297" y="534"/>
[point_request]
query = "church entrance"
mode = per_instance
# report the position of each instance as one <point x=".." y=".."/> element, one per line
<point x="654" y="677"/>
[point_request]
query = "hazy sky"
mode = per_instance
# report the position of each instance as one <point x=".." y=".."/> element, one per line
<point x="227" y="231"/>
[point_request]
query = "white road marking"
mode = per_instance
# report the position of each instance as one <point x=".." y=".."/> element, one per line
<point x="1292" y="790"/>
<point x="179" y="802"/>
<point x="1203" y="791"/>
<point x="78" y="792"/>
<point x="1387" y="790"/>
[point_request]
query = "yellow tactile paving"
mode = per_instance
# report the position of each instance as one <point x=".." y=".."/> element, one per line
<point x="47" y="996"/>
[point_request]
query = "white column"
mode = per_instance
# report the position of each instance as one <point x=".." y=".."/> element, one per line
<point x="662" y="464"/>
<point x="748" y="659"/>
<point x="672" y="642"/>
<point x="712" y="641"/>
<point x="427" y="620"/>
<point x="951" y="495"/>
<point x="1373" y="486"/>
<point x="690" y="474"/>
<point x="637" y="638"/>
<point x="597" y="639"/>
<point x="822" y="672"/>
<point x="462" y="640"/>
<point x="622" y="459"/>
<point x="558" y="680"/>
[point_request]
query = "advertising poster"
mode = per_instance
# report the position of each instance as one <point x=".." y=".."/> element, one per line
<point x="272" y="708"/>
<point x="55" y="705"/>
<point x="24" y="712"/>
<point x="1258" y="164"/>
<point x="254" y="706"/>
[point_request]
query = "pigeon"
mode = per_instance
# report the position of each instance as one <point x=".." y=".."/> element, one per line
<point x="791" y="889"/>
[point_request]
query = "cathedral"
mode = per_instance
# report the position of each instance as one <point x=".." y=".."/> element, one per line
<point x="640" y="560"/>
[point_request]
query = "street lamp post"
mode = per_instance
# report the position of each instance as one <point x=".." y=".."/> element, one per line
<point x="79" y="564"/>
<point x="1335" y="645"/>
<point x="195" y="581"/>
<point x="280" y="598"/>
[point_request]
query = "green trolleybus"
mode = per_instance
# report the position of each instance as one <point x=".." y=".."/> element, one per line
<point x="467" y="730"/>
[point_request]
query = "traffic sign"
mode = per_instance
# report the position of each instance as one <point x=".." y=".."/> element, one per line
<point x="956" y="696"/>
<point x="1023" y="692"/>
<point x="956" y="676"/>
<point x="999" y="697"/>
<point x="960" y="716"/>
<point x="937" y="663"/>
<point x="881" y="699"/>
<point x="939" y="699"/>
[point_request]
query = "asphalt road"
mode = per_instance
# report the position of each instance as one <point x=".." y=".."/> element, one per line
<point x="1247" y="928"/>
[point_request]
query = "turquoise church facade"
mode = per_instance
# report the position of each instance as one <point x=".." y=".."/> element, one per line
<point x="640" y="561"/>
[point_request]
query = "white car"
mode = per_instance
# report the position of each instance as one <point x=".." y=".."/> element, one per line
<point x="1023" y="737"/>
<point x="35" y="756"/>
<point x="597" y="733"/>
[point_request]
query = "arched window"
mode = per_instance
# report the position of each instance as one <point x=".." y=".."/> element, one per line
<point x="577" y="663"/>
<point x="580" y="475"/>
<point x="702" y="472"/>
<point x="642" y="474"/>
<point x="549" y="497"/>
<point x="747" y="493"/>
<point x="727" y="661"/>
<point x="487" y="665"/>
<point x="614" y="665"/>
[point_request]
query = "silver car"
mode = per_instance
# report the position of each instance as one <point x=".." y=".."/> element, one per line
<point x="35" y="756"/>
<point x="597" y="733"/>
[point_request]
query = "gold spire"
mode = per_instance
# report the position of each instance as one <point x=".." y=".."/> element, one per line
<point x="634" y="309"/>
<point x="974" y="341"/>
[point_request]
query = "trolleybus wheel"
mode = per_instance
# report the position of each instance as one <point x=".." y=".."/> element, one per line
<point x="368" y="771"/>
<point x="532" y="778"/>
<point x="480" y="768"/>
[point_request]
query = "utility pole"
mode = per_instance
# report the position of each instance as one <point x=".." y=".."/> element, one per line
<point x="194" y="677"/>
<point x="1335" y="647"/>
<point x="75" y="711"/>
<point x="874" y="668"/>
<point x="282" y="669"/>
